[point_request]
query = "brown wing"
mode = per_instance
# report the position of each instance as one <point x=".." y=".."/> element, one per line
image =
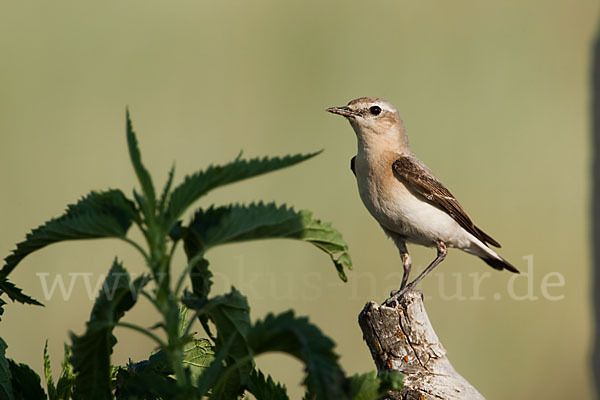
<point x="420" y="179"/>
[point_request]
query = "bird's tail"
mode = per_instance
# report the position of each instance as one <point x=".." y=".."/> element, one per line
<point x="499" y="264"/>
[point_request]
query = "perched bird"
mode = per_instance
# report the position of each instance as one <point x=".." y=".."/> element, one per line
<point x="404" y="196"/>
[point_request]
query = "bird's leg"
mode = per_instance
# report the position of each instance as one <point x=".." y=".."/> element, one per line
<point x="406" y="264"/>
<point x="441" y="254"/>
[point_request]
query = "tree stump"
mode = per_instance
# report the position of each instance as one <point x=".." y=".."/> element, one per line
<point x="402" y="339"/>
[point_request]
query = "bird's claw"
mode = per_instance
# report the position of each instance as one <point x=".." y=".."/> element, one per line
<point x="395" y="295"/>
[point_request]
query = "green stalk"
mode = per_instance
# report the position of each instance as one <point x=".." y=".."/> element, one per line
<point x="143" y="331"/>
<point x="160" y="262"/>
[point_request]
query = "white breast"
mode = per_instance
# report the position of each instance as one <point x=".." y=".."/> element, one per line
<point x="395" y="207"/>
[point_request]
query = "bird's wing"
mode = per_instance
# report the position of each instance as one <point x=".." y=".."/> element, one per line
<point x="352" y="165"/>
<point x="418" y="178"/>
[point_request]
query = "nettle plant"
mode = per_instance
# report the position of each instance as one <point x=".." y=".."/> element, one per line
<point x="184" y="366"/>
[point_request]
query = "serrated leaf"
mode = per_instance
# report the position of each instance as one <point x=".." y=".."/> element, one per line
<point x="92" y="350"/>
<point x="157" y="362"/>
<point x="145" y="384"/>
<point x="201" y="277"/>
<point x="140" y="171"/>
<point x="6" y="391"/>
<point x="156" y="367"/>
<point x="26" y="384"/>
<point x="365" y="386"/>
<point x="63" y="388"/>
<point x="15" y="294"/>
<point x="197" y="356"/>
<point x="370" y="386"/>
<point x="183" y="319"/>
<point x="265" y="388"/>
<point x="236" y="223"/>
<point x="162" y="203"/>
<point x="231" y="315"/>
<point x="97" y="215"/>
<point x="298" y="337"/>
<point x="66" y="381"/>
<point x="52" y="395"/>
<point x="210" y="376"/>
<point x="2" y="304"/>
<point x="197" y="185"/>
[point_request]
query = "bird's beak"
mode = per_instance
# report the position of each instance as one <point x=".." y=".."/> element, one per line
<point x="344" y="111"/>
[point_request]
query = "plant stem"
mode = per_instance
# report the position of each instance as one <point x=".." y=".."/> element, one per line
<point x="231" y="369"/>
<point x="165" y="300"/>
<point x="150" y="299"/>
<point x="177" y="360"/>
<point x="186" y="271"/>
<point x="139" y="248"/>
<point x="143" y="331"/>
<point x="191" y="321"/>
<point x="175" y="348"/>
<point x="173" y="247"/>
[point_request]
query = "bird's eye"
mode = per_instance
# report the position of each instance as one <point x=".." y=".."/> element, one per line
<point x="375" y="110"/>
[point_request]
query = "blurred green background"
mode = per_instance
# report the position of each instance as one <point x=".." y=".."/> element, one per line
<point x="495" y="96"/>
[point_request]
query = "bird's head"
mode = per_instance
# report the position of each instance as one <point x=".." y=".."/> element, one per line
<point x="375" y="121"/>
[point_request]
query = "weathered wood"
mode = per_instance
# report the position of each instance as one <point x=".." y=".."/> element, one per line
<point x="401" y="338"/>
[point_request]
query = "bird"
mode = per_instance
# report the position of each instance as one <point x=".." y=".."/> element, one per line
<point x="404" y="196"/>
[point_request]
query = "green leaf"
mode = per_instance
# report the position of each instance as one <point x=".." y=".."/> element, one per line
<point x="296" y="336"/>
<point x="391" y="380"/>
<point x="197" y="356"/>
<point x="166" y="190"/>
<point x="150" y="379"/>
<point x="157" y="362"/>
<point x="210" y="376"/>
<point x="231" y="315"/>
<point x="183" y="319"/>
<point x="6" y="391"/>
<point x="197" y="185"/>
<point x="64" y="386"/>
<point x="15" y="294"/>
<point x="365" y="386"/>
<point x="52" y="395"/>
<point x="2" y="303"/>
<point x="369" y="386"/>
<point x="26" y="384"/>
<point x="265" y="388"/>
<point x="201" y="278"/>
<point x="92" y="350"/>
<point x="146" y="384"/>
<point x="236" y="223"/>
<point x="66" y="381"/>
<point x="147" y="380"/>
<point x="99" y="214"/>
<point x="140" y="171"/>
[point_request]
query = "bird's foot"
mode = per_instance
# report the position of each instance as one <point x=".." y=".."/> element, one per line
<point x="395" y="295"/>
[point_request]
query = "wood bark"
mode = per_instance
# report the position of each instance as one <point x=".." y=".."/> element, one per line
<point x="401" y="338"/>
